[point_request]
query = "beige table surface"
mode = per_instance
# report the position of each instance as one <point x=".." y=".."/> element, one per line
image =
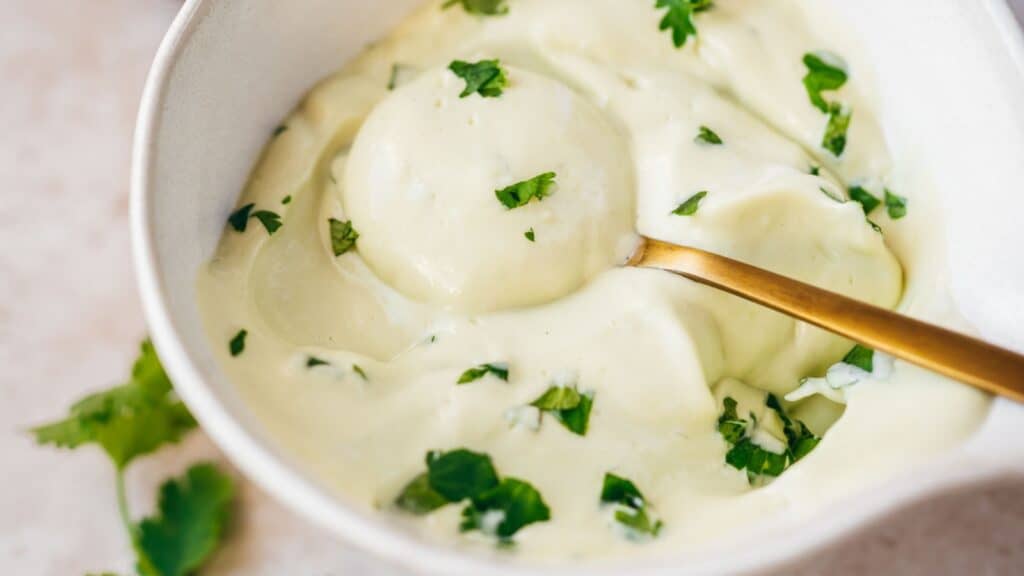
<point x="71" y="72"/>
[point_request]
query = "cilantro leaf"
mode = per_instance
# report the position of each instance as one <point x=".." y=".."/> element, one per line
<point x="679" y="18"/>
<point x="730" y="426"/>
<point x="239" y="219"/>
<point x="530" y="235"/>
<point x="558" y="398"/>
<point x="834" y="141"/>
<point x="279" y="130"/>
<point x="419" y="498"/>
<point x="825" y="72"/>
<point x="270" y="220"/>
<point x="799" y="439"/>
<point x="569" y="406"/>
<point x="691" y="205"/>
<point x="866" y="199"/>
<point x="237" y="344"/>
<point x="499" y="369"/>
<point x="633" y="510"/>
<point x="486" y="77"/>
<point x="343" y="236"/>
<point x="505" y="509"/>
<point x="861" y="357"/>
<point x="481" y="7"/>
<point x="461" y="474"/>
<point x="814" y="170"/>
<point x="127" y="421"/>
<point x="521" y="193"/>
<point x="757" y="461"/>
<point x="708" y="136"/>
<point x="192" y="515"/>
<point x="286" y="200"/>
<point x="895" y="205"/>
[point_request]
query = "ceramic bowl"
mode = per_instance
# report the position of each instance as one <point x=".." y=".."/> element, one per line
<point x="949" y="77"/>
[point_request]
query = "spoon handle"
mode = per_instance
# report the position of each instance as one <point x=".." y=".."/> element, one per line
<point x="957" y="356"/>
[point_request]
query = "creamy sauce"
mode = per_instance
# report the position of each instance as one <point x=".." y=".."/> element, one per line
<point x="443" y="279"/>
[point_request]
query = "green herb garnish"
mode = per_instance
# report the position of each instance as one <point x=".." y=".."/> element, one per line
<point x="708" y="136"/>
<point x="835" y="133"/>
<point x="861" y="357"/>
<point x="866" y="199"/>
<point x="486" y="77"/>
<point x="814" y="171"/>
<point x="237" y="344"/>
<point x="343" y="236"/>
<point x="568" y="406"/>
<point x="730" y="425"/>
<point x="133" y="420"/>
<point x="239" y="219"/>
<point x="286" y="200"/>
<point x="499" y="369"/>
<point x="521" y="193"/>
<point x="362" y="373"/>
<point x="760" y="462"/>
<point x="313" y="362"/>
<point x="496" y="507"/>
<point x="279" y="130"/>
<point x="270" y="220"/>
<point x="481" y="7"/>
<point x="632" y="511"/>
<point x="825" y="72"/>
<point x="679" y="18"/>
<point x="530" y="235"/>
<point x="895" y="205"/>
<point x="691" y="205"/>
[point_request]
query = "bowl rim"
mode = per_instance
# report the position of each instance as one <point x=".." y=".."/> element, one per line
<point x="264" y="465"/>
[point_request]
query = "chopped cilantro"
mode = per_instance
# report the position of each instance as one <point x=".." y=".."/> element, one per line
<point x="313" y="362"/>
<point x="569" y="406"/>
<point x="895" y="205"/>
<point x="530" y="235"/>
<point x="521" y="193"/>
<point x="708" y="136"/>
<point x="192" y="514"/>
<point x="343" y="236"/>
<point x="362" y="373"/>
<point x="861" y="357"/>
<point x="496" y="507"/>
<point x="279" y="130"/>
<point x="505" y="509"/>
<point x="835" y="133"/>
<point x="679" y="18"/>
<point x="866" y="199"/>
<point x="691" y="205"/>
<point x="632" y="509"/>
<point x="481" y="7"/>
<point x="799" y="439"/>
<point x="237" y="344"/>
<point x="815" y="171"/>
<point x="419" y="498"/>
<point x="730" y="425"/>
<point x="398" y="74"/>
<point x="286" y="200"/>
<point x="825" y="72"/>
<point x="270" y="220"/>
<point x="239" y="219"/>
<point x="759" y="462"/>
<point x="499" y="369"/>
<point x="486" y="77"/>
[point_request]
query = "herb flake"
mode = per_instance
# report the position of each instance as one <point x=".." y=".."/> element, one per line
<point x="895" y="205"/>
<point x="498" y="369"/>
<point x="691" y="205"/>
<point x="237" y="344"/>
<point x="343" y="236"/>
<point x="861" y="357"/>
<point x="270" y="220"/>
<point x="866" y="199"/>
<point x="239" y="219"/>
<point x="569" y="406"/>
<point x="486" y="77"/>
<point x="521" y="193"/>
<point x="480" y="7"/>
<point x="632" y="512"/>
<point x="531" y="235"/>
<point x="708" y="136"/>
<point x="679" y="18"/>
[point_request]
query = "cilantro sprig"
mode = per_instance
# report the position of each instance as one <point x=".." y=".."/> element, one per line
<point x="496" y="507"/>
<point x="521" y="193"/>
<point x="679" y="18"/>
<point x="486" y="77"/>
<point x="136" y="419"/>
<point x="480" y="7"/>
<point x="569" y="406"/>
<point x="631" y="509"/>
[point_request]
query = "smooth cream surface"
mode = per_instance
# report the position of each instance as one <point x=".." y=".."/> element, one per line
<point x="444" y="280"/>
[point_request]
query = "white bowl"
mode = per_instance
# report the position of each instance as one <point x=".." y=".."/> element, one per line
<point x="950" y="75"/>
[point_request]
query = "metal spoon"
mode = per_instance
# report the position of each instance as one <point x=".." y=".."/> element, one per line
<point x="957" y="356"/>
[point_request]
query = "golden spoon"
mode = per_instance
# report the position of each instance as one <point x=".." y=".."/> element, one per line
<point x="960" y="357"/>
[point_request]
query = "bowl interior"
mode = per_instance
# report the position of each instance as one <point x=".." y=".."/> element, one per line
<point x="948" y="74"/>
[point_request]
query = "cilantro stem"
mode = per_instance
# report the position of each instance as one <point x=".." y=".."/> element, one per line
<point x="122" y="505"/>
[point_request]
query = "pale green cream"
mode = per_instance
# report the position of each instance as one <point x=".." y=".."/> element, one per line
<point x="443" y="278"/>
